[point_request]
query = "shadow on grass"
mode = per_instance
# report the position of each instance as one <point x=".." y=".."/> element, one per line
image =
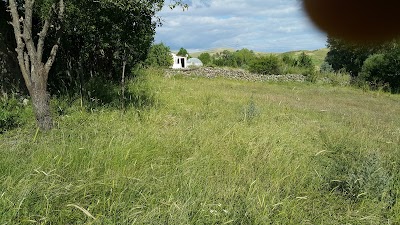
<point x="102" y="93"/>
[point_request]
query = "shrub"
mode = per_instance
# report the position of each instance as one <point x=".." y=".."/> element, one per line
<point x="326" y="68"/>
<point x="289" y="60"/>
<point x="205" y="58"/>
<point x="310" y="74"/>
<point x="338" y="79"/>
<point x="11" y="113"/>
<point x="266" y="65"/>
<point x="382" y="71"/>
<point x="305" y="61"/>
<point x="159" y="56"/>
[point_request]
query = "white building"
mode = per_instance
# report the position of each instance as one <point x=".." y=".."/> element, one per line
<point x="180" y="62"/>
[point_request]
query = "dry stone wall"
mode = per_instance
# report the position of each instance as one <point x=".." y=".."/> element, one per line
<point x="240" y="74"/>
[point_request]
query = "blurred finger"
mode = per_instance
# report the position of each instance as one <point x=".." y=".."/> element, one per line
<point x="356" y="20"/>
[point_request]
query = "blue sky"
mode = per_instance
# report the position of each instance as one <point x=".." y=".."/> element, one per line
<point x="260" y="25"/>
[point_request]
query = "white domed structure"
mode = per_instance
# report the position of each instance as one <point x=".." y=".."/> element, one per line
<point x="194" y="62"/>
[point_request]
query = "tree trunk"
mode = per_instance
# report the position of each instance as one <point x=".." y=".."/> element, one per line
<point x="41" y="99"/>
<point x="41" y="107"/>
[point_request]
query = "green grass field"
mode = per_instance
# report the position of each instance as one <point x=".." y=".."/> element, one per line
<point x="211" y="151"/>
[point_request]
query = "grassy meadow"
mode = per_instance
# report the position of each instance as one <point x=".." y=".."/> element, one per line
<point x="210" y="151"/>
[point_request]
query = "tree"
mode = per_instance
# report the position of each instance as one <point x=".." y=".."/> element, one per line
<point x="348" y="56"/>
<point x="101" y="38"/>
<point x="159" y="56"/>
<point x="375" y="63"/>
<point x="183" y="52"/>
<point x="31" y="55"/>
<point x="244" y="57"/>
<point x="205" y="58"/>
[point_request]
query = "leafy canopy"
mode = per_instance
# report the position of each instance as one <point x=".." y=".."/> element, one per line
<point x="159" y="56"/>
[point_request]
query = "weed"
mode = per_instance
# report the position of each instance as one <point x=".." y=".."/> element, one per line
<point x="250" y="112"/>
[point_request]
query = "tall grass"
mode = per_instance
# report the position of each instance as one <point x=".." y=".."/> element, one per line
<point x="211" y="151"/>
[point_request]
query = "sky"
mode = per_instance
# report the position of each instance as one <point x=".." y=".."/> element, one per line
<point x="259" y="25"/>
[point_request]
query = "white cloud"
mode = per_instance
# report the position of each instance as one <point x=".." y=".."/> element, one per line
<point x="260" y="25"/>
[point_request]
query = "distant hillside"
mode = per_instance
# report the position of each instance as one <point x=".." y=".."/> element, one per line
<point x="211" y="52"/>
<point x="317" y="56"/>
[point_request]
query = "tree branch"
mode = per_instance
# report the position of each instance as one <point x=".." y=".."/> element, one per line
<point x="51" y="59"/>
<point x="27" y="64"/>
<point x="53" y="52"/>
<point x="61" y="11"/>
<point x="42" y="35"/>
<point x="27" y="35"/>
<point x="20" y="44"/>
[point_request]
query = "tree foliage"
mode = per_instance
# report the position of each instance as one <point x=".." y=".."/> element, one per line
<point x="377" y="64"/>
<point x="305" y="61"/>
<point x="225" y="58"/>
<point x="183" y="52"/>
<point x="289" y="60"/>
<point x="10" y="76"/>
<point x="348" y="56"/>
<point x="383" y="70"/>
<point x="99" y="36"/>
<point x="205" y="58"/>
<point x="244" y="57"/>
<point x="159" y="56"/>
<point x="266" y="65"/>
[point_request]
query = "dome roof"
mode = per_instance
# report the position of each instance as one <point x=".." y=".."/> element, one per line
<point x="195" y="61"/>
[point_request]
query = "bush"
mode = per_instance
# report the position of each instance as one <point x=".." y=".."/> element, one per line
<point x="159" y="56"/>
<point x="373" y="72"/>
<point x="289" y="60"/>
<point x="338" y="79"/>
<point x="205" y="58"/>
<point x="267" y="65"/>
<point x="326" y="68"/>
<point x="11" y="113"/>
<point x="382" y="71"/>
<point x="305" y="61"/>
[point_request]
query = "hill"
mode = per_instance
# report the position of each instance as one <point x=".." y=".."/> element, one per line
<point x="211" y="52"/>
<point x="317" y="56"/>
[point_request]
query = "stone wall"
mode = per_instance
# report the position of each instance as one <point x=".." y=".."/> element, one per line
<point x="229" y="73"/>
